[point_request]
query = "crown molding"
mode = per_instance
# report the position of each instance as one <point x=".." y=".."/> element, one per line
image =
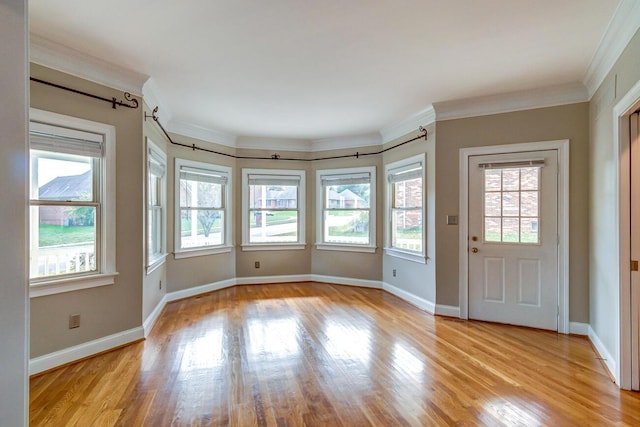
<point x="342" y="142"/>
<point x="201" y="133"/>
<point x="512" y="101"/>
<point x="266" y="143"/>
<point x="421" y="118"/>
<point x="153" y="98"/>
<point x="58" y="57"/>
<point x="622" y="28"/>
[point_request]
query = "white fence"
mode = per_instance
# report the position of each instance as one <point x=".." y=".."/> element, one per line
<point x="62" y="259"/>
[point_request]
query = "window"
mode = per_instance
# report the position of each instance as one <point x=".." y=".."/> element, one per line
<point x="72" y="203"/>
<point x="156" y="206"/>
<point x="203" y="209"/>
<point x="273" y="209"/>
<point x="405" y="225"/>
<point x="346" y="199"/>
<point x="511" y="207"/>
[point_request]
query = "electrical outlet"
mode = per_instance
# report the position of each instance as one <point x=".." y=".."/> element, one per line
<point x="160" y="284"/>
<point x="394" y="272"/>
<point x="257" y="264"/>
<point x="74" y="321"/>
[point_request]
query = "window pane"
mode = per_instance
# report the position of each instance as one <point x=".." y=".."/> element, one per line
<point x="273" y="196"/>
<point x="406" y="231"/>
<point x="511" y="203"/>
<point x="510" y="179"/>
<point x="154" y="190"/>
<point x="201" y="227"/>
<point x="198" y="194"/>
<point x="407" y="193"/>
<point x="155" y="231"/>
<point x="510" y="229"/>
<point x="492" y="230"/>
<point x="492" y="204"/>
<point x="346" y="226"/>
<point x="351" y="196"/>
<point x="63" y="240"/>
<point x="529" y="230"/>
<point x="529" y="178"/>
<point x="492" y="180"/>
<point x="273" y="226"/>
<point x="61" y="176"/>
<point x="529" y="203"/>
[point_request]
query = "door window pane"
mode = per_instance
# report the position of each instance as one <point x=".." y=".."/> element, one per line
<point x="511" y="205"/>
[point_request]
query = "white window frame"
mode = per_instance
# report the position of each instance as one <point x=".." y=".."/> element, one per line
<point x="159" y="157"/>
<point x="301" y="203"/>
<point x="415" y="256"/>
<point x="321" y="208"/>
<point x="227" y="244"/>
<point x="106" y="241"/>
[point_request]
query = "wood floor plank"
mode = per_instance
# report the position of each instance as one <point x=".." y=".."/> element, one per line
<point x="312" y="354"/>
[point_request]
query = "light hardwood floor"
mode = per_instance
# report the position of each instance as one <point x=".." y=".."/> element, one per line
<point x="322" y="355"/>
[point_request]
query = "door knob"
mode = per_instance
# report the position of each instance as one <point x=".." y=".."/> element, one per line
<point x="474" y="250"/>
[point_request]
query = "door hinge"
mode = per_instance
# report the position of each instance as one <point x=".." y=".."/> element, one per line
<point x="634" y="265"/>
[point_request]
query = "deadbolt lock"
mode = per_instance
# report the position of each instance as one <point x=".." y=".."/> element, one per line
<point x="474" y="238"/>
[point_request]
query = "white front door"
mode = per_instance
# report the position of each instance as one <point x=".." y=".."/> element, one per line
<point x="634" y="133"/>
<point x="513" y="238"/>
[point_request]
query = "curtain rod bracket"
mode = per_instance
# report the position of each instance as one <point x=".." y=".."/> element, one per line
<point x="275" y="156"/>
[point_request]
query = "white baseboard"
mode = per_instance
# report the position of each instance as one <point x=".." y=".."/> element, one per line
<point x="608" y="360"/>
<point x="578" y="328"/>
<point x="421" y="303"/>
<point x="273" y="279"/>
<point x="199" y="290"/>
<point x="150" y="321"/>
<point x="80" y="351"/>
<point x="363" y="283"/>
<point x="447" y="310"/>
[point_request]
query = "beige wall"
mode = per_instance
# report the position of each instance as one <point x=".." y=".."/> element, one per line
<point x="544" y="124"/>
<point x="14" y="303"/>
<point x="603" y="174"/>
<point x="272" y="263"/>
<point x="154" y="283"/>
<point x="415" y="278"/>
<point x="107" y="309"/>
<point x="356" y="265"/>
<point x="187" y="273"/>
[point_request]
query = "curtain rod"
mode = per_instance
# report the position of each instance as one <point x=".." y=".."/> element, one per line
<point x="113" y="101"/>
<point x="277" y="156"/>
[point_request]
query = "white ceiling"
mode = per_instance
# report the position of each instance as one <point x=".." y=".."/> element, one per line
<point x="333" y="68"/>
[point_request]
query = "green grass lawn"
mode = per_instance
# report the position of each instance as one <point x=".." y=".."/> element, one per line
<point x="54" y="235"/>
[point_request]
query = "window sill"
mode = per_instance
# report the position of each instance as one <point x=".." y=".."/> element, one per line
<point x="273" y="247"/>
<point x="345" y="248"/>
<point x="155" y="263"/>
<point x="409" y="256"/>
<point x="69" y="284"/>
<point x="190" y="253"/>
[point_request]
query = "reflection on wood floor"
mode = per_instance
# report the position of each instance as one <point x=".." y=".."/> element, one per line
<point x="322" y="355"/>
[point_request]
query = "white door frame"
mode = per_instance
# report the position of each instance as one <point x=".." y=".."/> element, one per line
<point x="562" y="146"/>
<point x="621" y="137"/>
